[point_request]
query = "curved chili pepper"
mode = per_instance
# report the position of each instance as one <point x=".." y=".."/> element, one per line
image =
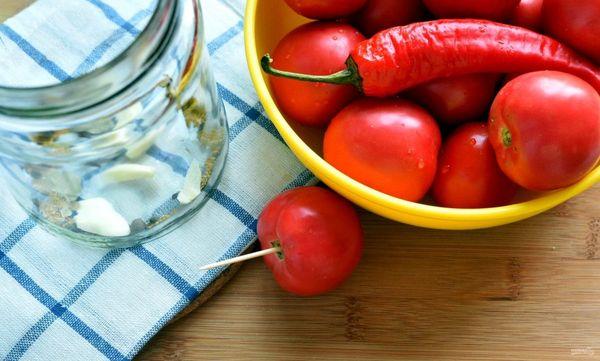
<point x="402" y="57"/>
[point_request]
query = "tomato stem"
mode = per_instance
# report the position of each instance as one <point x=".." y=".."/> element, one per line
<point x="277" y="245"/>
<point x="506" y="137"/>
<point x="349" y="75"/>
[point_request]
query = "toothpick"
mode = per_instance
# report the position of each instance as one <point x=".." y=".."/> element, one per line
<point x="245" y="257"/>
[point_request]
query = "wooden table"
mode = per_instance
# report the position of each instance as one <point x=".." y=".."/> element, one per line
<point x="528" y="291"/>
<point x="9" y="8"/>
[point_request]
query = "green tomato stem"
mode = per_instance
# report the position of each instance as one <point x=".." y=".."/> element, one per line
<point x="506" y="137"/>
<point x="279" y="252"/>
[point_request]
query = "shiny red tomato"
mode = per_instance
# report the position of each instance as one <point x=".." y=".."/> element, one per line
<point x="457" y="99"/>
<point x="576" y="22"/>
<point x="545" y="129"/>
<point x="320" y="237"/>
<point x="468" y="175"/>
<point x="314" y="48"/>
<point x="378" y="15"/>
<point x="325" y="9"/>
<point x="390" y="145"/>
<point x="497" y="10"/>
<point x="528" y="14"/>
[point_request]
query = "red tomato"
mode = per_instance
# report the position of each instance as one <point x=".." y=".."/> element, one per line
<point x="545" y="129"/>
<point x="378" y="15"/>
<point x="528" y="14"/>
<point x="390" y="145"/>
<point x="314" y="48"/>
<point x="457" y="99"/>
<point x="576" y="22"/>
<point x="468" y="175"/>
<point x="325" y="9"/>
<point x="497" y="10"/>
<point x="320" y="237"/>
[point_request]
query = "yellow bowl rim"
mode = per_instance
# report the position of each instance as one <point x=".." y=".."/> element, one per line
<point x="313" y="161"/>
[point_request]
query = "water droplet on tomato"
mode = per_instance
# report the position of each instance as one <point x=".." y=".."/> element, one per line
<point x="335" y="37"/>
<point x="421" y="164"/>
<point x="446" y="169"/>
<point x="472" y="141"/>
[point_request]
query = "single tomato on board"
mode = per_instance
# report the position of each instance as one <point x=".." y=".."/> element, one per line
<point x="390" y="145"/>
<point x="320" y="237"/>
<point x="378" y="15"/>
<point x="325" y="9"/>
<point x="545" y="129"/>
<point x="468" y="175"/>
<point x="497" y="10"/>
<point x="315" y="48"/>
<point x="576" y="23"/>
<point x="457" y="99"/>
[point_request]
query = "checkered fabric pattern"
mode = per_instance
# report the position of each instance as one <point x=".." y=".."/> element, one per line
<point x="62" y="301"/>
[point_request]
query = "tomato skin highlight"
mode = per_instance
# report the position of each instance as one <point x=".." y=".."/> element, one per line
<point x="457" y="99"/>
<point x="576" y="23"/>
<point x="379" y="15"/>
<point x="390" y="145"/>
<point x="528" y="14"/>
<point x="545" y="129"/>
<point x="325" y="9"/>
<point x="320" y="236"/>
<point x="468" y="175"/>
<point x="497" y="10"/>
<point x="317" y="48"/>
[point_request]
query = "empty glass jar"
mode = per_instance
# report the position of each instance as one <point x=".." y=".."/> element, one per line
<point x="123" y="153"/>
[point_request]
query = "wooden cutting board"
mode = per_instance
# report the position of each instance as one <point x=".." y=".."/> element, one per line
<point x="10" y="7"/>
<point x="526" y="291"/>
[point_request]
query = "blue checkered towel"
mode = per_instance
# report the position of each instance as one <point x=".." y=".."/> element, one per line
<point x="62" y="301"/>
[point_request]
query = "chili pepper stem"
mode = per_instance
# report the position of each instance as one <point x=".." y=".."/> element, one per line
<point x="347" y="76"/>
<point x="245" y="257"/>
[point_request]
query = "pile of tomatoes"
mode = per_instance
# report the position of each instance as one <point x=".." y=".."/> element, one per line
<point x="472" y="140"/>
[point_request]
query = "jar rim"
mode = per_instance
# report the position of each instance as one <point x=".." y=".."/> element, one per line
<point x="99" y="84"/>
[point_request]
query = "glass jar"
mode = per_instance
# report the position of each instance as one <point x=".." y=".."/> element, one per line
<point x="125" y="153"/>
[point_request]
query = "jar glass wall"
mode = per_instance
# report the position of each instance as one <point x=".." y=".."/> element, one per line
<point x="122" y="154"/>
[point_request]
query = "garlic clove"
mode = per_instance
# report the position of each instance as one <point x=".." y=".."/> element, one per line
<point x="191" y="184"/>
<point x="98" y="216"/>
<point x="128" y="114"/>
<point x="127" y="172"/>
<point x="140" y="147"/>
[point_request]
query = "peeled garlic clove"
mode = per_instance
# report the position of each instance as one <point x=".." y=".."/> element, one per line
<point x="140" y="147"/>
<point x="98" y="216"/>
<point x="127" y="172"/>
<point x="191" y="184"/>
<point x="128" y="114"/>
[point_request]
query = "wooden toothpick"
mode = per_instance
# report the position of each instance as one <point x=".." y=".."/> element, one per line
<point x="245" y="257"/>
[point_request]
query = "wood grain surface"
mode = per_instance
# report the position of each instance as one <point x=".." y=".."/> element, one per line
<point x="527" y="291"/>
<point x="10" y="7"/>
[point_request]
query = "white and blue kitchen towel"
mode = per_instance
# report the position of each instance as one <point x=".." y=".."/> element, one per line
<point x="62" y="301"/>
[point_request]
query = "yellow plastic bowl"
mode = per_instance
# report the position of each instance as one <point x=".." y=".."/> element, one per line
<point x="266" y="22"/>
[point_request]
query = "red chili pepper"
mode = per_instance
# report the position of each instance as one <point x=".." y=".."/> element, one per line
<point x="402" y="57"/>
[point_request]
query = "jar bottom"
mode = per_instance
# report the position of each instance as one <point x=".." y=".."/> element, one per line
<point x="165" y="227"/>
<point x="150" y="214"/>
